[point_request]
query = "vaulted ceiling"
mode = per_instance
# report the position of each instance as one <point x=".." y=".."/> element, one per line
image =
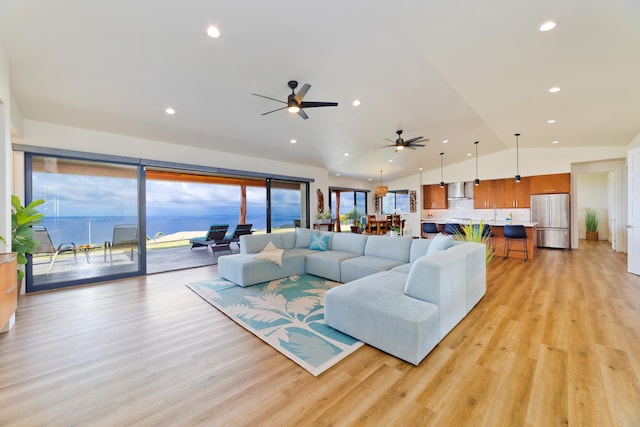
<point x="461" y="71"/>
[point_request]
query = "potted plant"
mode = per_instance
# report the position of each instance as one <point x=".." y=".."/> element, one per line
<point x="319" y="217"/>
<point x="326" y="217"/>
<point x="591" y="222"/>
<point x="22" y="241"/>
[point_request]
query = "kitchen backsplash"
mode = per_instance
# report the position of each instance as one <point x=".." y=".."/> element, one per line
<point x="462" y="209"/>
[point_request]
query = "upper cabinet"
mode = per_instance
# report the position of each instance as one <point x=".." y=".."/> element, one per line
<point x="549" y="184"/>
<point x="434" y="197"/>
<point x="502" y="193"/>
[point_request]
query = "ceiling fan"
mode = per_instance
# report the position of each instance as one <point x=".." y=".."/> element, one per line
<point x="400" y="144"/>
<point x="294" y="100"/>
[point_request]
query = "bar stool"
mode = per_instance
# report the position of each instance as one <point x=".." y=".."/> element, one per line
<point x="453" y="229"/>
<point x="429" y="228"/>
<point x="515" y="232"/>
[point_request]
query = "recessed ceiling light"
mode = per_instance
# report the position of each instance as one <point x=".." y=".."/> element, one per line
<point x="468" y="154"/>
<point x="549" y="25"/>
<point x="554" y="89"/>
<point x="370" y="179"/>
<point x="419" y="169"/>
<point x="170" y="111"/>
<point x="390" y="160"/>
<point x="346" y="154"/>
<point x="555" y="142"/>
<point x="293" y="141"/>
<point x="337" y="174"/>
<point x="356" y="102"/>
<point x="445" y="141"/>
<point x="551" y="121"/>
<point x="213" y="32"/>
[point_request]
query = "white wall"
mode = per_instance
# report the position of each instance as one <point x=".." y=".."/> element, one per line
<point x="593" y="193"/>
<point x="5" y="150"/>
<point x="540" y="161"/>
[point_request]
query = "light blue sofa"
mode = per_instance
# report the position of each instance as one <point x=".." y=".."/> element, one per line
<point x="397" y="296"/>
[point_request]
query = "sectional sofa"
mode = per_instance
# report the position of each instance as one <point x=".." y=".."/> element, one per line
<point x="399" y="295"/>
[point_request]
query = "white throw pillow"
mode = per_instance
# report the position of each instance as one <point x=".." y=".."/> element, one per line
<point x="440" y="243"/>
<point x="271" y="253"/>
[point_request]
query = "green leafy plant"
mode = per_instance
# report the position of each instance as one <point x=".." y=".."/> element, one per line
<point x="591" y="220"/>
<point x="471" y="233"/>
<point x="353" y="216"/>
<point x="22" y="220"/>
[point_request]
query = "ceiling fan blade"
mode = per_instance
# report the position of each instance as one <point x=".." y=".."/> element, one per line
<point x="318" y="104"/>
<point x="391" y="141"/>
<point x="302" y="92"/>
<point x="384" y="146"/>
<point x="273" y="99"/>
<point x="410" y="147"/>
<point x="416" y="145"/>
<point x="409" y="141"/>
<point x="302" y="114"/>
<point x="273" y="111"/>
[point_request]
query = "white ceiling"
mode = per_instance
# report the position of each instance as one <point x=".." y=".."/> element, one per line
<point x="459" y="70"/>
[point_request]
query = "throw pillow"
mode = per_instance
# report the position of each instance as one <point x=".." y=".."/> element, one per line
<point x="440" y="243"/>
<point x="271" y="253"/>
<point x="319" y="242"/>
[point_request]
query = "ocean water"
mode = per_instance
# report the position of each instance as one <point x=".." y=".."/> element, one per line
<point x="97" y="230"/>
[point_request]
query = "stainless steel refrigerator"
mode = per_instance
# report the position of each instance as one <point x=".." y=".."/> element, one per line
<point x="552" y="213"/>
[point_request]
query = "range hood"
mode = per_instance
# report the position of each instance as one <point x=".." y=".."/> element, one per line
<point x="460" y="190"/>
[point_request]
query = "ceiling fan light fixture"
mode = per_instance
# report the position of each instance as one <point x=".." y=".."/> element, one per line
<point x="399" y="147"/>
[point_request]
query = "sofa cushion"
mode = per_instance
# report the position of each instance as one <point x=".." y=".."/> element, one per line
<point x="319" y="243"/>
<point x="270" y="253"/>
<point x="303" y="237"/>
<point x="327" y="264"/>
<point x="395" y="248"/>
<point x="358" y="267"/>
<point x="254" y="243"/>
<point x="419" y="248"/>
<point x="439" y="243"/>
<point x="288" y="239"/>
<point x="441" y="279"/>
<point x="349" y="242"/>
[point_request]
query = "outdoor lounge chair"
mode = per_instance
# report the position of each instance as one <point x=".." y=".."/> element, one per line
<point x="214" y="231"/>
<point x="45" y="246"/>
<point x="125" y="235"/>
<point x="241" y="229"/>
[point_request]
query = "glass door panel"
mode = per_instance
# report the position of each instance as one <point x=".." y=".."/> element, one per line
<point x="91" y="224"/>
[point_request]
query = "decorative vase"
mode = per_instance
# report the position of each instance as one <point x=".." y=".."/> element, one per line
<point x="592" y="235"/>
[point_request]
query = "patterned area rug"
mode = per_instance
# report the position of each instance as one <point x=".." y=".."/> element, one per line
<point x="287" y="314"/>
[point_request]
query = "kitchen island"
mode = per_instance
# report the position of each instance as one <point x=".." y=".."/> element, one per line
<point x="497" y="228"/>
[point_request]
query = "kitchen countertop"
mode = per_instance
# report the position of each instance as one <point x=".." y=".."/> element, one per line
<point x="498" y="223"/>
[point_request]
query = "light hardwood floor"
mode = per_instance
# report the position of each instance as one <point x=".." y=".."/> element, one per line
<point x="555" y="341"/>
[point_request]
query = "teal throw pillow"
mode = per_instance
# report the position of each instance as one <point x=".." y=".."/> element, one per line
<point x="319" y="243"/>
<point x="440" y="243"/>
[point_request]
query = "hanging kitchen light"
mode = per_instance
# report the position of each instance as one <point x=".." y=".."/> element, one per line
<point x="476" y="181"/>
<point x="517" y="158"/>
<point x="381" y="190"/>
<point x="441" y="173"/>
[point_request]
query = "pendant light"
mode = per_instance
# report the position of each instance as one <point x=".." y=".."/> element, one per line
<point x="517" y="158"/>
<point x="381" y="190"/>
<point x="476" y="181"/>
<point x="441" y="174"/>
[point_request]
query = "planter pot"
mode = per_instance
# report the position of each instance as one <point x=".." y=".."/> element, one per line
<point x="592" y="235"/>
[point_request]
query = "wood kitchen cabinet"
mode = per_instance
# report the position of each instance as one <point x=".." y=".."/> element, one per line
<point x="486" y="194"/>
<point x="434" y="197"/>
<point x="8" y="287"/>
<point x="502" y="193"/>
<point x="550" y="184"/>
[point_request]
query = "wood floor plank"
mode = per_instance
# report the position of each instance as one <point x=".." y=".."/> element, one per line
<point x="555" y="341"/>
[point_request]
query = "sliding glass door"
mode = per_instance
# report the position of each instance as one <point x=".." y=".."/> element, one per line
<point x="91" y="224"/>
